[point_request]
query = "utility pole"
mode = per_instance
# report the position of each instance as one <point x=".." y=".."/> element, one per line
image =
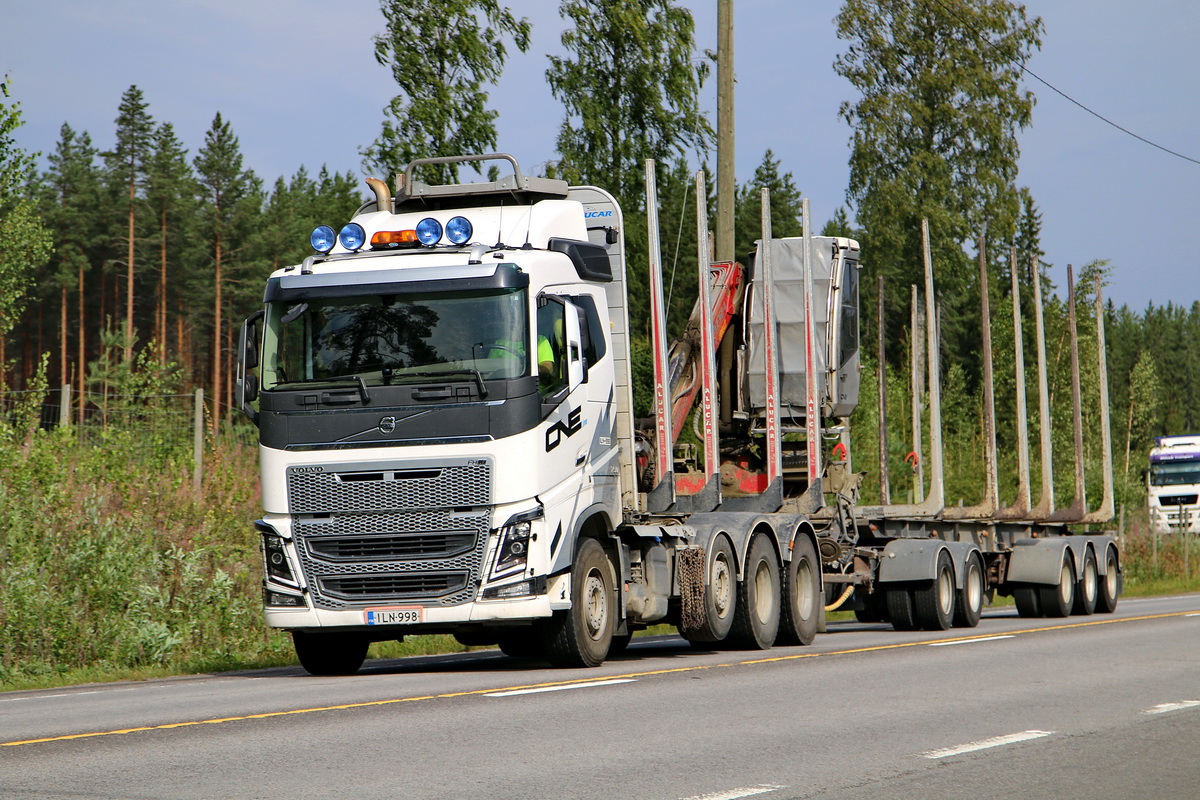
<point x="725" y="176"/>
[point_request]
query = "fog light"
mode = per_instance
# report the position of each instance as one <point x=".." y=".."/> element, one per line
<point x="274" y="598"/>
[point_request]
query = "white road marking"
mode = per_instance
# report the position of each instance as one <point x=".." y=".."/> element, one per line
<point x="735" y="794"/>
<point x="560" y="688"/>
<point x="971" y="641"/>
<point x="1163" y="708"/>
<point x="984" y="744"/>
<point x="45" y="696"/>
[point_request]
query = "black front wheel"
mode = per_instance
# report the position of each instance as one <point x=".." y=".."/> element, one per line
<point x="328" y="653"/>
<point x="582" y="635"/>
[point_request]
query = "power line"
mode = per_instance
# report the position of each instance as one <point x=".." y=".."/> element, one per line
<point x="1058" y="91"/>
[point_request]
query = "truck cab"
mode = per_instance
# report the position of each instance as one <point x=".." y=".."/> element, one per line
<point x="437" y="395"/>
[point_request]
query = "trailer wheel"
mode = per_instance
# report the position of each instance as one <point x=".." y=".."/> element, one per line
<point x="801" y="606"/>
<point x="900" y="607"/>
<point x="1088" y="589"/>
<point x="1058" y="599"/>
<point x="756" y="618"/>
<point x="330" y="653"/>
<point x="581" y="635"/>
<point x="1028" y="602"/>
<point x="720" y="596"/>
<point x="1106" y="598"/>
<point x="933" y="601"/>
<point x="969" y="605"/>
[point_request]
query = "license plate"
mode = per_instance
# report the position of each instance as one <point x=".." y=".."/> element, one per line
<point x="393" y="615"/>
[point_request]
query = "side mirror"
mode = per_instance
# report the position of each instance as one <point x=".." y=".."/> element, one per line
<point x="247" y="383"/>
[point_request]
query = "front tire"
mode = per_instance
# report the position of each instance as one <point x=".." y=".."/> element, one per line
<point x="756" y="619"/>
<point x="330" y="653"/>
<point x="581" y="636"/>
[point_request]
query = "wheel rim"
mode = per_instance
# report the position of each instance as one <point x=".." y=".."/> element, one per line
<point x="722" y="585"/>
<point x="974" y="587"/>
<point x="804" y="582"/>
<point x="596" y="605"/>
<point x="945" y="596"/>
<point x="1091" y="582"/>
<point x="763" y="601"/>
<point x="1066" y="588"/>
<point x="1110" y="577"/>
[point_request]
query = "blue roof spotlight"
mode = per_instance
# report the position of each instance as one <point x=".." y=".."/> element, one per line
<point x="352" y="237"/>
<point x="429" y="231"/>
<point x="322" y="238"/>
<point x="459" y="230"/>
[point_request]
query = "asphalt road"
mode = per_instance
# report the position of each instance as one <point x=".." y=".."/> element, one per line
<point x="1097" y="707"/>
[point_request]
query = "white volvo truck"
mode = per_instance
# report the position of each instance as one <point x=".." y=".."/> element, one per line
<point x="443" y="392"/>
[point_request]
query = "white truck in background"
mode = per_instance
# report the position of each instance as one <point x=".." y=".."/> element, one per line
<point x="1173" y="485"/>
<point x="448" y="445"/>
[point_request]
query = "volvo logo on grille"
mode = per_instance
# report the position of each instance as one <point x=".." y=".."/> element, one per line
<point x="387" y="425"/>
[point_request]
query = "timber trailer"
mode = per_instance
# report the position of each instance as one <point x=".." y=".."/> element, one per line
<point x="444" y="397"/>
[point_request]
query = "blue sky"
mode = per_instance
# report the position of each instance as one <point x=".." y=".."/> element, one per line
<point x="298" y="82"/>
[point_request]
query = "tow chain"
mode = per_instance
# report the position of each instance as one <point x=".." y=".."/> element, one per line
<point x="690" y="564"/>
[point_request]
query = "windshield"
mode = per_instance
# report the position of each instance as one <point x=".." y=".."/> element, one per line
<point x="1176" y="473"/>
<point x="397" y="338"/>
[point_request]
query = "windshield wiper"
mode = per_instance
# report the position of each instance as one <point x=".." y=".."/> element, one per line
<point x="474" y="373"/>
<point x="362" y="385"/>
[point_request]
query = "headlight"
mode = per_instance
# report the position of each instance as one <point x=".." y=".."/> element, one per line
<point x="429" y="231"/>
<point x="459" y="230"/>
<point x="352" y="236"/>
<point x="512" y="554"/>
<point x="322" y="238"/>
<point x="275" y="560"/>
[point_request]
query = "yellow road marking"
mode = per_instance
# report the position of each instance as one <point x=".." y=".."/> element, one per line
<point x="647" y="673"/>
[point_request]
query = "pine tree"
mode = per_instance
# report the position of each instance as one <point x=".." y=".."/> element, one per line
<point x="785" y="206"/>
<point x="224" y="185"/>
<point x="74" y="213"/>
<point x="170" y="185"/>
<point x="127" y="168"/>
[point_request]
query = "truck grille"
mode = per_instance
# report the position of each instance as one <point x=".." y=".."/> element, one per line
<point x="381" y="535"/>
<point x="394" y="587"/>
<point x="373" y="548"/>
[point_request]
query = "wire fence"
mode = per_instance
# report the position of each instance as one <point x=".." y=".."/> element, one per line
<point x="145" y="425"/>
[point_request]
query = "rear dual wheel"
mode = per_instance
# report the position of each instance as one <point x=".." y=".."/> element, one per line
<point x="1109" y="586"/>
<point x="801" y="606"/>
<point x="968" y="606"/>
<point x="756" y="618"/>
<point x="1087" y="591"/>
<point x="1057" y="601"/>
<point x="720" y="595"/>
<point x="933" y="601"/>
